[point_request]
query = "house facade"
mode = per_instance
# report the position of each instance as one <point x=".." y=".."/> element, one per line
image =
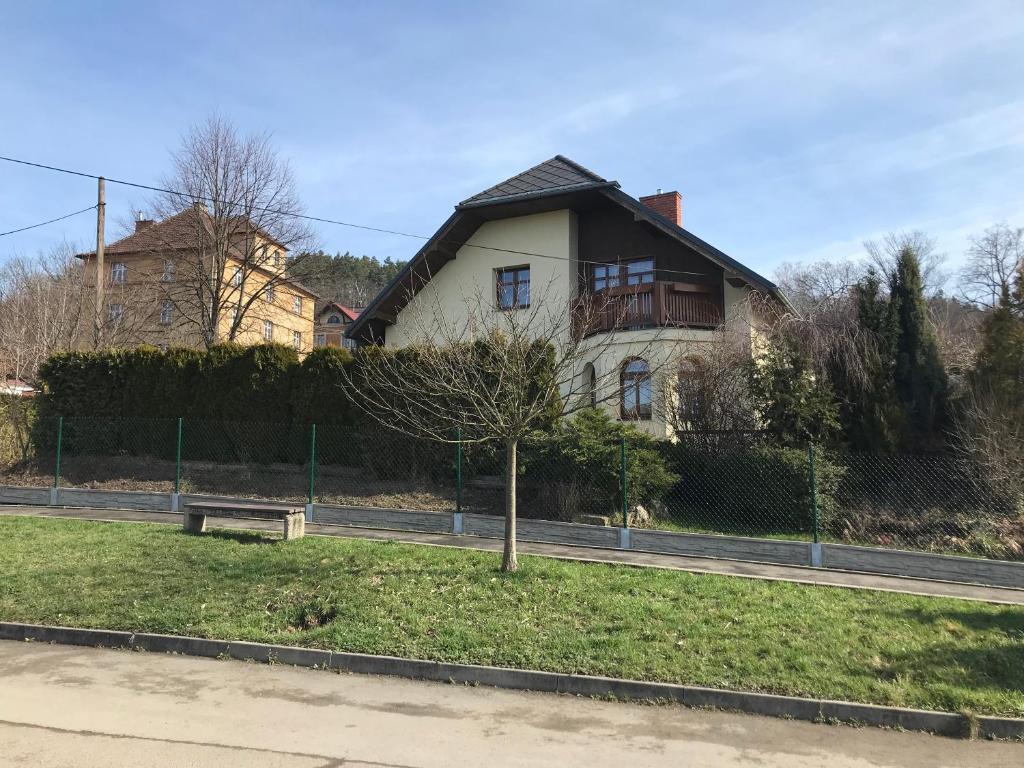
<point x="331" y="323"/>
<point x="159" y="285"/>
<point x="650" y="295"/>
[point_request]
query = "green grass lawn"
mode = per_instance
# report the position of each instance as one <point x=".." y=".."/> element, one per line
<point x="454" y="605"/>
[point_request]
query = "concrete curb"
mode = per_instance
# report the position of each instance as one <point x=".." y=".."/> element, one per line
<point x="769" y="705"/>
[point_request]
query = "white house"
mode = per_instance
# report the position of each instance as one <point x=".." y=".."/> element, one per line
<point x="559" y="234"/>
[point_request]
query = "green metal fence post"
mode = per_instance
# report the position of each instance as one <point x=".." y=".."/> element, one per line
<point x="624" y="482"/>
<point x="814" y="490"/>
<point x="312" y="462"/>
<point x="60" y="443"/>
<point x="458" y="470"/>
<point x="177" y="460"/>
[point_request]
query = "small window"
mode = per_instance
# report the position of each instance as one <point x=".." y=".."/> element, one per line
<point x="236" y="277"/>
<point x="513" y="286"/>
<point x="168" y="275"/>
<point x="590" y="384"/>
<point x="296" y="339"/>
<point x="268" y="330"/>
<point x="688" y="391"/>
<point x="277" y="258"/>
<point x="636" y="390"/>
<point x="166" y="313"/>
<point x="117" y="272"/>
<point x="319" y="340"/>
<point x="333" y="320"/>
<point x="116" y="313"/>
<point x="297" y="305"/>
<point x="349" y="343"/>
<point x="268" y="293"/>
<point x="234" y="315"/>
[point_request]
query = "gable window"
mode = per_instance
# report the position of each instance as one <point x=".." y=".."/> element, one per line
<point x="333" y="320"/>
<point x="636" y="390"/>
<point x="116" y="313"/>
<point x="513" y="287"/>
<point x="635" y="272"/>
<point x="168" y="275"/>
<point x="268" y="293"/>
<point x="297" y="305"/>
<point x="319" y="340"/>
<point x="117" y="272"/>
<point x="296" y="339"/>
<point x="268" y="330"/>
<point x="166" y="313"/>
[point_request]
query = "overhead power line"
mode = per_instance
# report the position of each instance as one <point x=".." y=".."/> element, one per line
<point x="319" y="219"/>
<point x="49" y="221"/>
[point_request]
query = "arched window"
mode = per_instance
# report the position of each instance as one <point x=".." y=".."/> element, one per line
<point x="688" y="392"/>
<point x="333" y="320"/>
<point x="636" y="389"/>
<point x="590" y="384"/>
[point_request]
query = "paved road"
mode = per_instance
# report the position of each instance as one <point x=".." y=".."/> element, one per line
<point x="819" y="576"/>
<point x="85" y="707"/>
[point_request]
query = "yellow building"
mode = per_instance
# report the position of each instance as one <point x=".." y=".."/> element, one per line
<point x="176" y="282"/>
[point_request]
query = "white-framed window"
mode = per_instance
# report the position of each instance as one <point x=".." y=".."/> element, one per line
<point x="268" y="330"/>
<point x="268" y="293"/>
<point x="116" y="313"/>
<point x="168" y="275"/>
<point x="234" y="315"/>
<point x="296" y="339"/>
<point x="277" y="258"/>
<point x="166" y="313"/>
<point x="236" y="277"/>
<point x="349" y="343"/>
<point x="118" y="272"/>
<point x="297" y="305"/>
<point x="319" y="339"/>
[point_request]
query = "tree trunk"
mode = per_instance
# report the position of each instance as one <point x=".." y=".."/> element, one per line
<point x="508" y="562"/>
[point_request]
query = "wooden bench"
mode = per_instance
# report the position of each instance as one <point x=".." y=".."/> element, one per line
<point x="294" y="518"/>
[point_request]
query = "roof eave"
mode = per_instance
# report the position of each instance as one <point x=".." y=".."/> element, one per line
<point x="537" y="194"/>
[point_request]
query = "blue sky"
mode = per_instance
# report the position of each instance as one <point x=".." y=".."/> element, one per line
<point x="793" y="131"/>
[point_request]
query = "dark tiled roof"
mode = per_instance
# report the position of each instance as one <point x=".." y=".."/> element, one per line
<point x="558" y="173"/>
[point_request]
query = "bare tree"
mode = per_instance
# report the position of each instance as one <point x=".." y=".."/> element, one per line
<point x="994" y="262"/>
<point x="885" y="253"/>
<point x="989" y="430"/>
<point x="238" y="202"/>
<point x="498" y="375"/>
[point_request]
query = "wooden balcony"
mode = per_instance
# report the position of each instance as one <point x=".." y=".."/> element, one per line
<point x="653" y="304"/>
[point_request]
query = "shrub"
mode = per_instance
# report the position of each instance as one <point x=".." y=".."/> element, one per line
<point x="762" y="489"/>
<point x="579" y="466"/>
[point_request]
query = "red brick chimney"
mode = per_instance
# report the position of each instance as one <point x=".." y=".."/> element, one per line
<point x="668" y="204"/>
<point x="142" y="223"/>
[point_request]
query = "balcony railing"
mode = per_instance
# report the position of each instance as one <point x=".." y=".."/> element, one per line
<point x="652" y="304"/>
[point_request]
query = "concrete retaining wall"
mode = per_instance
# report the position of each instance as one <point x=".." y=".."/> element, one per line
<point x="88" y="497"/>
<point x="36" y="497"/>
<point x="727" y="547"/>
<point x="967" y="570"/>
<point x="490" y="526"/>
<point x="922" y="565"/>
<point x="375" y="517"/>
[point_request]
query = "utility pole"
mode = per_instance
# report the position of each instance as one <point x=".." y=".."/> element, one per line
<point x="101" y="210"/>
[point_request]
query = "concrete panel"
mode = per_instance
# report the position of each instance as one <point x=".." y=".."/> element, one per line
<point x="89" y="497"/>
<point x="37" y="497"/>
<point x="550" y="531"/>
<point x="924" y="565"/>
<point x="727" y="547"/>
<point x="380" y="517"/>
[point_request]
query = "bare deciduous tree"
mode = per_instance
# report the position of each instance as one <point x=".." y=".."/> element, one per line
<point x="244" y="204"/>
<point x="994" y="262"/>
<point x="885" y="253"/>
<point x="497" y="375"/>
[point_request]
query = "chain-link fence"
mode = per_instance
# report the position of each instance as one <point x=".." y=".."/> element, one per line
<point x="734" y="483"/>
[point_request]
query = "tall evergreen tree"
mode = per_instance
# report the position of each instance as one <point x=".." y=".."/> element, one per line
<point x="919" y="378"/>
